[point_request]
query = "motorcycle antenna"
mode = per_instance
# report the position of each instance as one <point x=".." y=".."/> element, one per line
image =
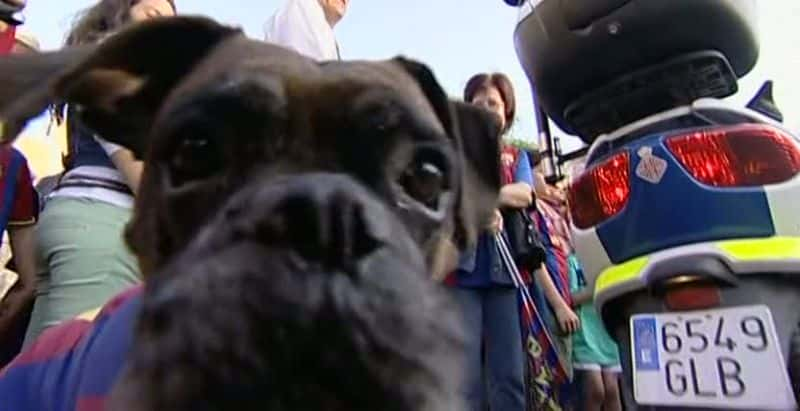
<point x="764" y="102"/>
<point x="547" y="146"/>
<point x="553" y="158"/>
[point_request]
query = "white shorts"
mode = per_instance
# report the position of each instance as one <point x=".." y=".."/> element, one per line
<point x="597" y="367"/>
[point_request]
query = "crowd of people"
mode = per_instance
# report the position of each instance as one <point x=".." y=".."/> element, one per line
<point x="69" y="257"/>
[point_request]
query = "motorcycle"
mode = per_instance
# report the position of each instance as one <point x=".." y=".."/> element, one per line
<point x="684" y="217"/>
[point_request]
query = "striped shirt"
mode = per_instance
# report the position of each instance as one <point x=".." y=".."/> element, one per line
<point x="73" y="366"/>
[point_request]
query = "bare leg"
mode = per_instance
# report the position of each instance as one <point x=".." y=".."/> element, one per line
<point x="612" y="400"/>
<point x="593" y="391"/>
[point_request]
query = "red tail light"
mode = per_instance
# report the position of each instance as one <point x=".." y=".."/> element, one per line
<point x="745" y="155"/>
<point x="690" y="293"/>
<point x="600" y="192"/>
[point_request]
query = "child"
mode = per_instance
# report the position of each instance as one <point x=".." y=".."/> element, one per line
<point x="595" y="354"/>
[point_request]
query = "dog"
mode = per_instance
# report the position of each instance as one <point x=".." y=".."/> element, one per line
<point x="290" y="216"/>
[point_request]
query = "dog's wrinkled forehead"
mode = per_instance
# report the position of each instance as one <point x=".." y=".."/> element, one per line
<point x="237" y="59"/>
<point x="383" y="82"/>
<point x="268" y="78"/>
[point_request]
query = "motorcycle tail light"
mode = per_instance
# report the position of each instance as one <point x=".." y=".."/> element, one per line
<point x="738" y="156"/>
<point x="690" y="293"/>
<point x="600" y="192"/>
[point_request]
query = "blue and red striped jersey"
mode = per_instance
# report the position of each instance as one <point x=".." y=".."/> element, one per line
<point x="73" y="366"/>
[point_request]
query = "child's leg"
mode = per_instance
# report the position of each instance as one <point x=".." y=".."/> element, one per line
<point x="612" y="400"/>
<point x="593" y="391"/>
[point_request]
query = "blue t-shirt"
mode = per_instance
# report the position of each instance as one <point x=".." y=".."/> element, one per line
<point x="85" y="150"/>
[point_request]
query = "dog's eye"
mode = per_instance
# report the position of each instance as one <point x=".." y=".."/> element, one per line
<point x="425" y="183"/>
<point x="425" y="180"/>
<point x="195" y="158"/>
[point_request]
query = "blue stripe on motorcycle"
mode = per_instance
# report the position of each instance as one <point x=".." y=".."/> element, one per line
<point x="678" y="210"/>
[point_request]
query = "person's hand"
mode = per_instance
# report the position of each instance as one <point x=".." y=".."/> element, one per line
<point x="17" y="295"/>
<point x="567" y="319"/>
<point x="12" y="305"/>
<point x="496" y="225"/>
<point x="516" y="195"/>
<point x="547" y="191"/>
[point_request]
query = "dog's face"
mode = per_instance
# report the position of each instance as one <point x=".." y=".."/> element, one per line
<point x="284" y="204"/>
<point x="227" y="130"/>
<point x="212" y="112"/>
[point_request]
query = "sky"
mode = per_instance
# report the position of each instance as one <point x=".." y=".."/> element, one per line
<point x="458" y="38"/>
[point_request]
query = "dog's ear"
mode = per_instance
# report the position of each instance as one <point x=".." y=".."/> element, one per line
<point x="118" y="85"/>
<point x="475" y="134"/>
<point x="26" y="85"/>
<point x="479" y="132"/>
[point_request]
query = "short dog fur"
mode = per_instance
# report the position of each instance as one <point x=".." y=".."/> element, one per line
<point x="289" y="217"/>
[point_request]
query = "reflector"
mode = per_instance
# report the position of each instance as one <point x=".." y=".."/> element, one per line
<point x="692" y="296"/>
<point x="600" y="192"/>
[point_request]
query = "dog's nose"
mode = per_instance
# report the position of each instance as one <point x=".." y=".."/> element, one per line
<point x="326" y="218"/>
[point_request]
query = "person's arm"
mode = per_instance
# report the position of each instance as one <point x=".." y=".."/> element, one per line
<point x="21" y="222"/>
<point x="567" y="319"/>
<point x="516" y="195"/>
<point x="581" y="297"/>
<point x="129" y="167"/>
<point x="520" y="193"/>
<point x="20" y="298"/>
<point x="496" y="225"/>
<point x="125" y="163"/>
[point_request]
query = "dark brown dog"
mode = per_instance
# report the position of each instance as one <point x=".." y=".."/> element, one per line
<point x="289" y="215"/>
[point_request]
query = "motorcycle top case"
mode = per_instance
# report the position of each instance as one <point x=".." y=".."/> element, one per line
<point x="584" y="54"/>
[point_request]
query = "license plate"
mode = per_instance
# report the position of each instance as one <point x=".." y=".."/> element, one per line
<point x="725" y="358"/>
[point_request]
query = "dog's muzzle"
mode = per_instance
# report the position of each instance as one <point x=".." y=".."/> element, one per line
<point x="329" y="219"/>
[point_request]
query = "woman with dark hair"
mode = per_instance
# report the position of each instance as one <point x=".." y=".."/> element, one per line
<point x="108" y="16"/>
<point x="82" y="258"/>
<point x="482" y="286"/>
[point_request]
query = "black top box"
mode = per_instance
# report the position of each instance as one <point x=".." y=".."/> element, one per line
<point x="597" y="65"/>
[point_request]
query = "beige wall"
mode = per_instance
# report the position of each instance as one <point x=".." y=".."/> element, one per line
<point x="43" y="151"/>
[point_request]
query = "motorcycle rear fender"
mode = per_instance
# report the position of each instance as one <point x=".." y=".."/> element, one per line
<point x="723" y="260"/>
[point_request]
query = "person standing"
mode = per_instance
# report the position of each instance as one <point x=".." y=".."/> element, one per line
<point x="306" y="26"/>
<point x="82" y="258"/>
<point x="19" y="209"/>
<point x="482" y="286"/>
<point x="595" y="354"/>
<point x="18" y="213"/>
